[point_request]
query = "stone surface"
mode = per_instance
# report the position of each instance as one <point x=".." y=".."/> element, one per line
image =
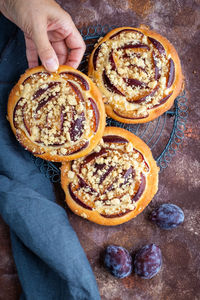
<point x="179" y="278"/>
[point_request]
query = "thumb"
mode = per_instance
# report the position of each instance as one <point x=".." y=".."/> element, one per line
<point x="45" y="50"/>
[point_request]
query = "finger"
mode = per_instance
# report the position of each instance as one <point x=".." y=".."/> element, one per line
<point x="45" y="50"/>
<point x="31" y="53"/>
<point x="61" y="51"/>
<point x="74" y="58"/>
<point x="77" y="46"/>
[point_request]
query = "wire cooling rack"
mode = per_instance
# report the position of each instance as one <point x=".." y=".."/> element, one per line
<point x="163" y="135"/>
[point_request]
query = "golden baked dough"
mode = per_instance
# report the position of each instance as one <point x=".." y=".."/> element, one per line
<point x="57" y="116"/>
<point x="115" y="182"/>
<point x="138" y="72"/>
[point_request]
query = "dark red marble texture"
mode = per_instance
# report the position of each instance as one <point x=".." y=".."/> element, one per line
<point x="179" y="21"/>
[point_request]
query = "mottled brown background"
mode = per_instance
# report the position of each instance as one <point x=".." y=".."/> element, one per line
<point x="179" y="278"/>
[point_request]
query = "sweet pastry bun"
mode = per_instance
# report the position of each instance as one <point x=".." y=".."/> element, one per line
<point x="57" y="116"/>
<point x="138" y="71"/>
<point x="115" y="182"/>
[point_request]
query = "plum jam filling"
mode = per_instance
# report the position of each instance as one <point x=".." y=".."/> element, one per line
<point x="76" y="90"/>
<point x="163" y="100"/>
<point x="135" y="73"/>
<point x="79" y="78"/>
<point x="116" y="215"/>
<point x="95" y="57"/>
<point x="96" y="113"/>
<point x="114" y="139"/>
<point x="92" y="156"/>
<point x="103" y="177"/>
<point x="111" y="179"/>
<point x="62" y="117"/>
<point x="134" y="82"/>
<point x="171" y="73"/>
<point x="16" y="110"/>
<point x="81" y="147"/>
<point x="56" y="113"/>
<point x="98" y="167"/>
<point x="143" y="99"/>
<point x="134" y="46"/>
<point x="41" y="91"/>
<point x="141" y="189"/>
<point x="25" y="121"/>
<point x="83" y="183"/>
<point x="127" y="173"/>
<point x="36" y="76"/>
<point x="112" y="62"/>
<point x="77" y="126"/>
<point x="157" y="44"/>
<point x="109" y="85"/>
<point x="43" y="101"/>
<point x="76" y="199"/>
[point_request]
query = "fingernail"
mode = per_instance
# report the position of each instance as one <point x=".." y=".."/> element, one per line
<point x="51" y="64"/>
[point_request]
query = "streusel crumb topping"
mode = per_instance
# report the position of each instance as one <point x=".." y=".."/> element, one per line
<point x="57" y="114"/>
<point x="111" y="179"/>
<point x="135" y="72"/>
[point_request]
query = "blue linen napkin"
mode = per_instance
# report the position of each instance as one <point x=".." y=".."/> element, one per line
<point x="50" y="261"/>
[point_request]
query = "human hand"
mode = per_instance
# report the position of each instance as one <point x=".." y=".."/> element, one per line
<point x="49" y="32"/>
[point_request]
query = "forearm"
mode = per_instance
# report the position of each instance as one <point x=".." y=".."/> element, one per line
<point x="13" y="10"/>
<point x="6" y="7"/>
<point x="24" y="13"/>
